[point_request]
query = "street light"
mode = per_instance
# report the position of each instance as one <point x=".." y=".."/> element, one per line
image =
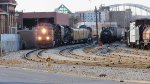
<point x="96" y="24"/>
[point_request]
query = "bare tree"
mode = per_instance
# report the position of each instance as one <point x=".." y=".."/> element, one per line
<point x="73" y="20"/>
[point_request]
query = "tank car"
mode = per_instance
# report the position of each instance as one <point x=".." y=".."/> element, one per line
<point x="111" y="34"/>
<point x="146" y="37"/>
<point x="139" y="34"/>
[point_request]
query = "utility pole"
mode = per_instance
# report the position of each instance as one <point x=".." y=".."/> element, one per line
<point x="96" y="24"/>
<point x="84" y="18"/>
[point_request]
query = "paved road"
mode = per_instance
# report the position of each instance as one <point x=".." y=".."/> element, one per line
<point x="16" y="76"/>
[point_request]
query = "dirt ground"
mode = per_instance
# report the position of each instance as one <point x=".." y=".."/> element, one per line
<point x="119" y="56"/>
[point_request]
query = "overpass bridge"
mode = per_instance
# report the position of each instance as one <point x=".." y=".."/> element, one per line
<point x="138" y="10"/>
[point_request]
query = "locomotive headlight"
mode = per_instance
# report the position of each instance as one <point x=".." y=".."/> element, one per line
<point x="47" y="38"/>
<point x="43" y="31"/>
<point x="39" y="38"/>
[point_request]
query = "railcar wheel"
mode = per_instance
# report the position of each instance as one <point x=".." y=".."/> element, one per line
<point x="148" y="46"/>
<point x="145" y="47"/>
<point x="140" y="46"/>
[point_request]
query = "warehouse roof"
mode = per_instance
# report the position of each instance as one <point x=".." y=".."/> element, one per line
<point x="12" y="1"/>
<point x="41" y="14"/>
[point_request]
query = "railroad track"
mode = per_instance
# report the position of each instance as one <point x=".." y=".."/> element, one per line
<point x="68" y="52"/>
<point x="35" y="55"/>
<point x="135" y="51"/>
<point x="126" y="51"/>
<point x="107" y="61"/>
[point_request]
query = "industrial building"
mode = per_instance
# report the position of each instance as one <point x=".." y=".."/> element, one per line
<point x="86" y="16"/>
<point x="31" y="19"/>
<point x="122" y="18"/>
<point x="104" y="15"/>
<point x="7" y="16"/>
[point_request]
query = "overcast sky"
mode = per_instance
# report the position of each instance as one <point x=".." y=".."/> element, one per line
<point x="73" y="5"/>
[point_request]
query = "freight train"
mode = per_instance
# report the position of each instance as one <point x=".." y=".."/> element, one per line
<point x="138" y="34"/>
<point x="51" y="35"/>
<point x="111" y="34"/>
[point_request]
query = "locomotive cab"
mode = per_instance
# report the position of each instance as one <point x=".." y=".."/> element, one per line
<point x="43" y="35"/>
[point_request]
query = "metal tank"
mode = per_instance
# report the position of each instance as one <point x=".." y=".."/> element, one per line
<point x="109" y="35"/>
<point x="146" y="35"/>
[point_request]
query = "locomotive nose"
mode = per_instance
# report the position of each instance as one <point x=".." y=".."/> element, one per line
<point x="43" y="31"/>
<point x="47" y="38"/>
<point x="39" y="38"/>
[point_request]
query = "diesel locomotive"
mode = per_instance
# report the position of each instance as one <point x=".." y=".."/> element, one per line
<point x="51" y="35"/>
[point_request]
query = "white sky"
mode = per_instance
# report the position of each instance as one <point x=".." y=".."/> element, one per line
<point x="73" y="5"/>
